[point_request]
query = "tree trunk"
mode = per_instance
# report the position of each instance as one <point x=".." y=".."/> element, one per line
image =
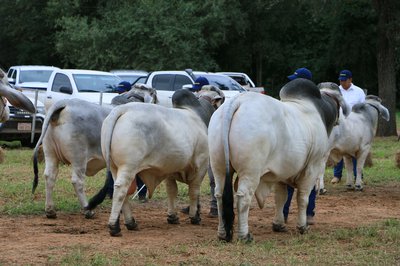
<point x="386" y="65"/>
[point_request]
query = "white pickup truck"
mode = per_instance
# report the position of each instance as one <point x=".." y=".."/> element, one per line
<point x="167" y="82"/>
<point x="244" y="80"/>
<point x="44" y="85"/>
<point x="90" y="85"/>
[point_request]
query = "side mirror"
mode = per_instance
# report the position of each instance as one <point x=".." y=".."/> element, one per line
<point x="187" y="86"/>
<point x="11" y="81"/>
<point x="67" y="90"/>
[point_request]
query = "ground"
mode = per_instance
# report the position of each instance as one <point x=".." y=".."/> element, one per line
<point x="35" y="239"/>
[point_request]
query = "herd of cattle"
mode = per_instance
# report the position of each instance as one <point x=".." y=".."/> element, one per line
<point x="268" y="143"/>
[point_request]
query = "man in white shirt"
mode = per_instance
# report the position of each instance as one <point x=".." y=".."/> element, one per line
<point x="352" y="95"/>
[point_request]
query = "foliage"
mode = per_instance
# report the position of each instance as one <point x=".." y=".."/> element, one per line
<point x="267" y="39"/>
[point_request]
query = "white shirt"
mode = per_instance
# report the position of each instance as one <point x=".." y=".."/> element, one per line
<point x="353" y="95"/>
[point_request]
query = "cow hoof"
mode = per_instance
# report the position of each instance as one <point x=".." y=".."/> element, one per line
<point x="51" y="214"/>
<point x="195" y="220"/>
<point x="349" y="187"/>
<point x="323" y="191"/>
<point x="247" y="239"/>
<point x="132" y="226"/>
<point x="279" y="227"/>
<point x="303" y="229"/>
<point x="115" y="230"/>
<point x="89" y="214"/>
<point x="173" y="219"/>
<point x="358" y="188"/>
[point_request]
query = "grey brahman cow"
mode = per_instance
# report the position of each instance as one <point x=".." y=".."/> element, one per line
<point x="353" y="138"/>
<point x="71" y="135"/>
<point x="270" y="143"/>
<point x="156" y="143"/>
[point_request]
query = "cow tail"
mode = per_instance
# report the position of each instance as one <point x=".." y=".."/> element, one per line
<point x="107" y="130"/>
<point x="101" y="195"/>
<point x="55" y="108"/>
<point x="228" y="214"/>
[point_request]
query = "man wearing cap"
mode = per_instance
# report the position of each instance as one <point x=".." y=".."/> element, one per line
<point x="123" y="86"/>
<point x="306" y="74"/>
<point x="301" y="73"/>
<point x="352" y="95"/>
<point x="199" y="83"/>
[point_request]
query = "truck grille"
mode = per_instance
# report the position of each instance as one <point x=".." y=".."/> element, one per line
<point x="17" y="111"/>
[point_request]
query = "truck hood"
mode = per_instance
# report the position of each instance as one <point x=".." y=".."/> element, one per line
<point x="34" y="85"/>
<point x="94" y="97"/>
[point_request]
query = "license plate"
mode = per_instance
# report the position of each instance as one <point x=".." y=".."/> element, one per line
<point x="24" y="126"/>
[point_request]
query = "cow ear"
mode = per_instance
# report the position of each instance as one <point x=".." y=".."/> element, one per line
<point x="217" y="101"/>
<point x="384" y="112"/>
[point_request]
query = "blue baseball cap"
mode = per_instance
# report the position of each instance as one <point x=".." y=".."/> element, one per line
<point x="198" y="83"/>
<point x="345" y="75"/>
<point x="301" y="73"/>
<point x="123" y="86"/>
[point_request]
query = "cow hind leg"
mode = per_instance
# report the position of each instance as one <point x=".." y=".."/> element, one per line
<point x="130" y="222"/>
<point x="121" y="185"/>
<point x="244" y="195"/>
<point x="172" y="193"/>
<point x="194" y="195"/>
<point x="360" y="165"/>
<point x="348" y="163"/>
<point x="278" y="225"/>
<point x="50" y="175"/>
<point x="78" y="179"/>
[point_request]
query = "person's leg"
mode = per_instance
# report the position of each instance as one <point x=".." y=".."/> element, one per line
<point x="311" y="203"/>
<point x="143" y="192"/>
<point x="286" y="208"/>
<point x="355" y="168"/>
<point x="213" y="199"/>
<point x="337" y="172"/>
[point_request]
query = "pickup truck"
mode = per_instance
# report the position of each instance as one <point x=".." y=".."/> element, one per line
<point x="90" y="85"/>
<point x="167" y="82"/>
<point x="244" y="80"/>
<point x="32" y="80"/>
<point x="93" y="86"/>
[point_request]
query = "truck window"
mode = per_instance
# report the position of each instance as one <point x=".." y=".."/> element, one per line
<point x="181" y="80"/>
<point x="163" y="82"/>
<point x="60" y="80"/>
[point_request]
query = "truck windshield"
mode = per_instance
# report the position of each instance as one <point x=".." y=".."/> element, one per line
<point x="223" y="82"/>
<point x="34" y="76"/>
<point x="96" y="83"/>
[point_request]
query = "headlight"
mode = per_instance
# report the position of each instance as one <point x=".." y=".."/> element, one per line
<point x="41" y="110"/>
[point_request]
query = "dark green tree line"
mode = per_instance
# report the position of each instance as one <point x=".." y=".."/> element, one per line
<point x="268" y="39"/>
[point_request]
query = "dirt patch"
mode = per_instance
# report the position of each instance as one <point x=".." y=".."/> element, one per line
<point x="35" y="239"/>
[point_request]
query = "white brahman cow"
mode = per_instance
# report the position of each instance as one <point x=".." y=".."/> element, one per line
<point x="210" y="98"/>
<point x="71" y="135"/>
<point x="269" y="142"/>
<point x="156" y="143"/>
<point x="353" y="138"/>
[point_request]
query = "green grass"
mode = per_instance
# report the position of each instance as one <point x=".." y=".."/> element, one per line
<point x="376" y="244"/>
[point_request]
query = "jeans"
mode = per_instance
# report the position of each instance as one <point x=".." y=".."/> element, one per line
<point x="337" y="170"/>
<point x="139" y="184"/>
<point x="213" y="199"/>
<point x="311" y="202"/>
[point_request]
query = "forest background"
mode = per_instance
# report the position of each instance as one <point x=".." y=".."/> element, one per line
<point x="267" y="39"/>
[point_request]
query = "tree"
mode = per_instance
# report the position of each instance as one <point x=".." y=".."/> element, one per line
<point x="388" y="29"/>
